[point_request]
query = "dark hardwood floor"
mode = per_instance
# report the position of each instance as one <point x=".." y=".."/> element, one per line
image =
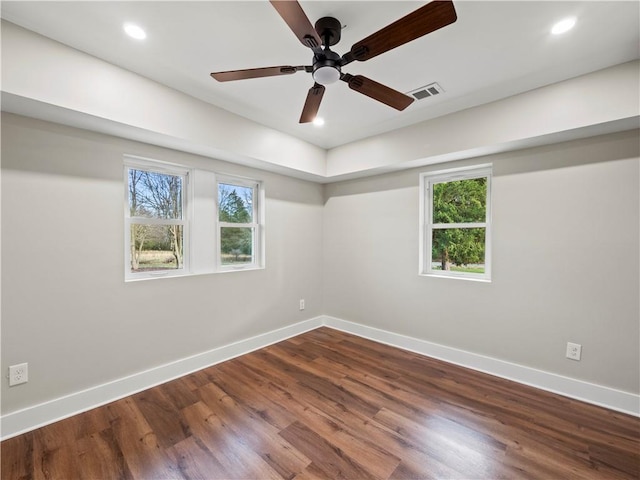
<point x="331" y="405"/>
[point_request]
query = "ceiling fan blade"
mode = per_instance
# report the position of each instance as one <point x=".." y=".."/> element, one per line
<point x="377" y="91"/>
<point x="426" y="19"/>
<point x="255" y="73"/>
<point x="312" y="104"/>
<point x="293" y="15"/>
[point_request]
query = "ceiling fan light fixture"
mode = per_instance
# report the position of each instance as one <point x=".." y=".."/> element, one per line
<point x="326" y="75"/>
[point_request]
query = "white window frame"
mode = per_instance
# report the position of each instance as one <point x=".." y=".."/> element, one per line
<point x="139" y="163"/>
<point x="427" y="180"/>
<point x="257" y="224"/>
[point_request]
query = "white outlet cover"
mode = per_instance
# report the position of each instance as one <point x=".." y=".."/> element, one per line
<point x="18" y="374"/>
<point x="574" y="351"/>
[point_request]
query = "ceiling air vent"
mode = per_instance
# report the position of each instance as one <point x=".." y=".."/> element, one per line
<point x="427" y="91"/>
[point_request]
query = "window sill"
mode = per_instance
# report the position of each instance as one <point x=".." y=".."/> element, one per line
<point x="455" y="277"/>
<point x="230" y="269"/>
<point x="162" y="275"/>
<point x="154" y="276"/>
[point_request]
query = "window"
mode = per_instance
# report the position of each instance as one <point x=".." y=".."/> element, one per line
<point x="156" y="227"/>
<point x="189" y="221"/>
<point x="239" y="231"/>
<point x="456" y="223"/>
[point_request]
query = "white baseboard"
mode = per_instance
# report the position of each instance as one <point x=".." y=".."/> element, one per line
<point x="36" y="416"/>
<point x="30" y="418"/>
<point x="569" y="387"/>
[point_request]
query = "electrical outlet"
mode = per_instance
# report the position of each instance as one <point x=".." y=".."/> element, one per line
<point x="18" y="374"/>
<point x="574" y="351"/>
<point x="302" y="304"/>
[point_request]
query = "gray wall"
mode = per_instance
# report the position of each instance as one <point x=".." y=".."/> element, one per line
<point x="65" y="306"/>
<point x="565" y="261"/>
<point x="565" y="264"/>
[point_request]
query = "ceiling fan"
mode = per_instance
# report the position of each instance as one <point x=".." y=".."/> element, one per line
<point x="327" y="65"/>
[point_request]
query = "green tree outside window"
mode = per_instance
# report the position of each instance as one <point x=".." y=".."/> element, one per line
<point x="457" y="203"/>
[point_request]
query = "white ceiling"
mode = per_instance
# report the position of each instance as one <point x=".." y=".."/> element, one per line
<point x="494" y="50"/>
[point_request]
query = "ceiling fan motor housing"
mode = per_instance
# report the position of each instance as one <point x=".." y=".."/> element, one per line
<point x="326" y="67"/>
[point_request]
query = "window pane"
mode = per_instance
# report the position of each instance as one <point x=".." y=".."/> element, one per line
<point x="156" y="247"/>
<point x="458" y="249"/>
<point x="155" y="195"/>
<point x="236" y="245"/>
<point x="460" y="201"/>
<point x="235" y="203"/>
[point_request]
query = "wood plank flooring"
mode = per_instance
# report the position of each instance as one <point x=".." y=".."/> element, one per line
<point x="329" y="405"/>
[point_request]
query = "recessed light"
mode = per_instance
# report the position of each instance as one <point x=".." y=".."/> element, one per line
<point x="318" y="121"/>
<point x="134" y="31"/>
<point x="563" y="26"/>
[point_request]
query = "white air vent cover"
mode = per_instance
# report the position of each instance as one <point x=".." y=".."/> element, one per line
<point x="427" y="91"/>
